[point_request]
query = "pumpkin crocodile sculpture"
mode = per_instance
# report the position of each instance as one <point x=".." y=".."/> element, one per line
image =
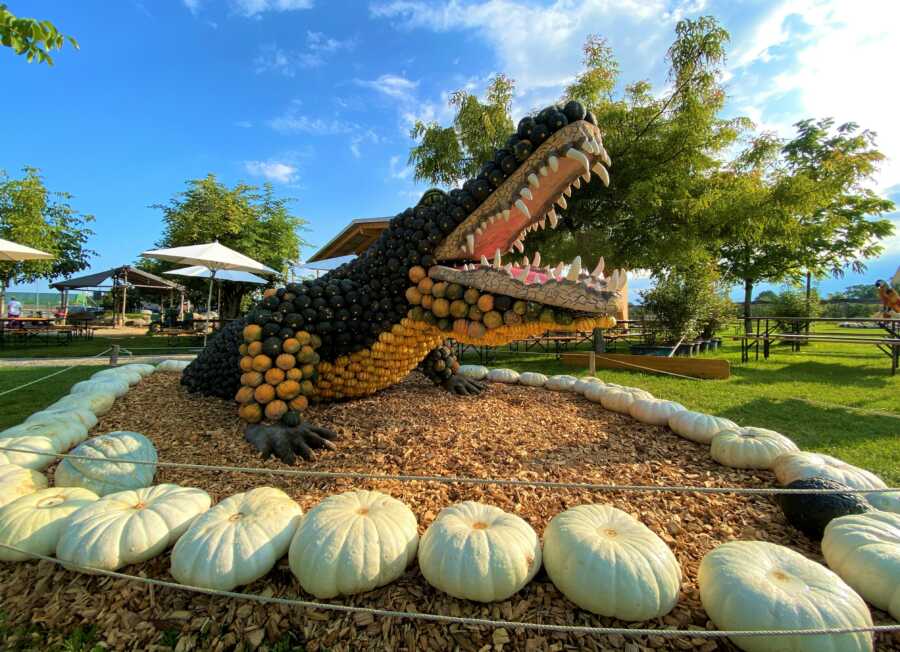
<point x="437" y="271"/>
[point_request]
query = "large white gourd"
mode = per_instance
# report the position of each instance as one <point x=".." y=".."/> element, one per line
<point x="35" y="522"/>
<point x="749" y="448"/>
<point x="237" y="541"/>
<point x="479" y="552"/>
<point x="699" y="427"/>
<point x="98" y="402"/>
<point x="748" y="585"/>
<point x="39" y="452"/>
<point x="130" y="526"/>
<point x="585" y="384"/>
<point x="561" y="383"/>
<point x="802" y="464"/>
<point x="532" y="379"/>
<point x="352" y="543"/>
<point x="64" y="433"/>
<point x="17" y="481"/>
<point x="87" y="418"/>
<point x="864" y="549"/>
<point x="611" y="564"/>
<point x="131" y="376"/>
<point x="143" y="369"/>
<point x="173" y="366"/>
<point x="597" y="391"/>
<point x="115" y="385"/>
<point x="104" y="477"/>
<point x="620" y="399"/>
<point x="473" y="371"/>
<point x="509" y="376"/>
<point x="654" y="411"/>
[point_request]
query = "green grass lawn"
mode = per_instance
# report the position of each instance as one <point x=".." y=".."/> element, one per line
<point x="140" y="345"/>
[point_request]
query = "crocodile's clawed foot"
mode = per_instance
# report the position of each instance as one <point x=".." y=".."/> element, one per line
<point x="463" y="386"/>
<point x="285" y="443"/>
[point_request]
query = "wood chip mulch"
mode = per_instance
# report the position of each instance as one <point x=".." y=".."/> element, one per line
<point x="413" y="428"/>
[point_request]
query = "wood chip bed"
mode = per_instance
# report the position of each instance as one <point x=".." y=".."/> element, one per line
<point x="414" y="428"/>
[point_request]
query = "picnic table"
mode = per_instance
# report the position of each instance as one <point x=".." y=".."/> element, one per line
<point x="26" y="329"/>
<point x="796" y="331"/>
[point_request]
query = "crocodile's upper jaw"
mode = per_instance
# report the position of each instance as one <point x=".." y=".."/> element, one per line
<point x="472" y="254"/>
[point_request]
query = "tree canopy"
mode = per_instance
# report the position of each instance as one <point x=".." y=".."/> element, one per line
<point x="32" y="38"/>
<point x="246" y="218"/>
<point x="33" y="216"/>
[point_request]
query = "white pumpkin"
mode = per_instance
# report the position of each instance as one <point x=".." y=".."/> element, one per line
<point x="352" y="543"/>
<point x="473" y="371"/>
<point x="479" y="552"/>
<point x="699" y="427"/>
<point x="103" y="477"/>
<point x="237" y="541"/>
<point x="803" y="464"/>
<point x="173" y="366"/>
<point x="561" y="383"/>
<point x="611" y="564"/>
<point x="864" y="549"/>
<point x="117" y="374"/>
<point x="35" y="522"/>
<point x="17" y="481"/>
<point x="888" y="501"/>
<point x="749" y="448"/>
<point x="620" y="399"/>
<point x="129" y="527"/>
<point x="654" y="411"/>
<point x="42" y="451"/>
<point x="532" y="379"/>
<point x="503" y="376"/>
<point x="585" y="383"/>
<point x="98" y="402"/>
<point x="748" y="585"/>
<point x="143" y="369"/>
<point x="115" y="385"/>
<point x="64" y="433"/>
<point x="597" y="391"/>
<point x="85" y="416"/>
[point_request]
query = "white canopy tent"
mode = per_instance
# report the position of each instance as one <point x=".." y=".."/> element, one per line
<point x="198" y="271"/>
<point x="14" y="252"/>
<point x="212" y="256"/>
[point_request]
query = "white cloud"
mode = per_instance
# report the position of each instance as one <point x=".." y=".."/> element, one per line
<point x="275" y="171"/>
<point x="272" y="58"/>
<point x="192" y="5"/>
<point x="293" y="121"/>
<point x="398" y="169"/>
<point x="366" y="136"/>
<point x="394" y="86"/>
<point x="253" y="8"/>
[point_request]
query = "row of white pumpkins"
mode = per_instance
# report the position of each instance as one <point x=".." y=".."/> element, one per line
<point x="603" y="559"/>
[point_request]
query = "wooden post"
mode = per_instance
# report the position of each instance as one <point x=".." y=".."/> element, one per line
<point x="592" y="363"/>
<point x="599" y="342"/>
<point x="114" y="356"/>
<point x="124" y="302"/>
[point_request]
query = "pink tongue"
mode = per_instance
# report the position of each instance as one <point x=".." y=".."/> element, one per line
<point x="533" y="276"/>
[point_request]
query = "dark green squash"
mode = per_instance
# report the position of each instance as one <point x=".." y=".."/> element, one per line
<point x="272" y="346"/>
<point x="291" y="419"/>
<point x="810" y="513"/>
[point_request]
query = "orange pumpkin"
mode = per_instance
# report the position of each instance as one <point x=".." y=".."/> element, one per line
<point x="246" y="363"/>
<point x="252" y="379"/>
<point x="251" y="413"/>
<point x="299" y="403"/>
<point x="242" y="349"/>
<point x="303" y="337"/>
<point x="264" y="393"/>
<point x="244" y="395"/>
<point x="288" y="389"/>
<point x="285" y="361"/>
<point x="254" y="348"/>
<point x="416" y="273"/>
<point x="294" y="374"/>
<point x="291" y="345"/>
<point x="274" y="376"/>
<point x="275" y="410"/>
<point x="261" y="363"/>
<point x="252" y="333"/>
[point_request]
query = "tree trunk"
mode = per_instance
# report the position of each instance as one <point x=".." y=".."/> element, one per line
<point x="3" y="285"/>
<point x="748" y="298"/>
<point x="808" y="298"/>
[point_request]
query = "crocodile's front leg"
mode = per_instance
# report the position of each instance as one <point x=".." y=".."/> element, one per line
<point x="441" y="367"/>
<point x="286" y="443"/>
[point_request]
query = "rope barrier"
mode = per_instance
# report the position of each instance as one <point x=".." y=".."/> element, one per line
<point x="443" y="479"/>
<point x="55" y="373"/>
<point x="460" y="620"/>
<point x="600" y="356"/>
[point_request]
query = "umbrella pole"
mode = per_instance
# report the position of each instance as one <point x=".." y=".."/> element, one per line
<point x="212" y="280"/>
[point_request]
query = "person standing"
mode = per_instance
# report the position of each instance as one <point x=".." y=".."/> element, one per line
<point x="13" y="308"/>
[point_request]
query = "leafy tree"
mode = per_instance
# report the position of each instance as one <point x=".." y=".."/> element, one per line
<point x="246" y="218"/>
<point x="35" y="217"/>
<point x="30" y="37"/>
<point x="685" y="301"/>
<point x="858" y="292"/>
<point x="766" y="296"/>
<point x="446" y="155"/>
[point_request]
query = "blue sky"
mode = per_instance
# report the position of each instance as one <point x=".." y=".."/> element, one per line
<point x="317" y="97"/>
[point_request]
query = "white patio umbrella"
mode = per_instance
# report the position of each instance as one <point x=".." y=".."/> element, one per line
<point x="198" y="271"/>
<point x="10" y="251"/>
<point x="213" y="256"/>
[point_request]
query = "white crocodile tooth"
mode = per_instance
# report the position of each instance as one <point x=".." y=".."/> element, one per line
<point x="526" y="193"/>
<point x="522" y="207"/>
<point x="602" y="173"/>
<point x="498" y="259"/>
<point x="604" y="156"/>
<point x="586" y="177"/>
<point x="537" y="259"/>
<point x="519" y="246"/>
<point x="479" y="231"/>
<point x="523" y="275"/>
<point x="470" y="243"/>
<point x="598" y="270"/>
<point x="554" y="219"/>
<point x="462" y="249"/>
<point x="562" y="202"/>
<point x="577" y="183"/>
<point x="492" y="219"/>
<point x="506" y="214"/>
<point x="557" y="273"/>
<point x="623" y="278"/>
<point x="574" y="269"/>
<point x="553" y="162"/>
<point x="543" y="170"/>
<point x="578" y="155"/>
<point x="484" y="261"/>
<point x="568" y="191"/>
<point x="508" y="268"/>
<point x="587" y="147"/>
<point x="533" y="180"/>
<point x="524" y="261"/>
<point x="612" y="281"/>
<point x="543" y="223"/>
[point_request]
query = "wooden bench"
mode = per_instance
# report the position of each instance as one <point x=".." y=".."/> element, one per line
<point x="888" y="345"/>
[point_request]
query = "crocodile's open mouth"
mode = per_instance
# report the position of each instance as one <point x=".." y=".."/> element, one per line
<point x="481" y="251"/>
